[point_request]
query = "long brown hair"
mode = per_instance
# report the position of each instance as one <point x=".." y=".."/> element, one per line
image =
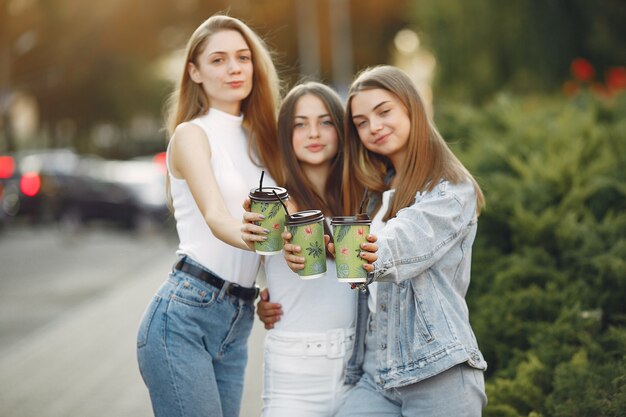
<point x="429" y="159"/>
<point x="298" y="185"/>
<point x="259" y="108"/>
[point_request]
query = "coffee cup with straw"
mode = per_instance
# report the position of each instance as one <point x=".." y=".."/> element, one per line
<point x="267" y="201"/>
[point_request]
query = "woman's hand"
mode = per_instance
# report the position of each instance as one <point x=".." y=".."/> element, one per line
<point x="250" y="232"/>
<point x="294" y="262"/>
<point x="268" y="312"/>
<point x="369" y="252"/>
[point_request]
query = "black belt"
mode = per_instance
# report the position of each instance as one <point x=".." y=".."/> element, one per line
<point x="248" y="294"/>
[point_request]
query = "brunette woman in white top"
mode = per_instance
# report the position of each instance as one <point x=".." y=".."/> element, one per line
<point x="192" y="341"/>
<point x="306" y="352"/>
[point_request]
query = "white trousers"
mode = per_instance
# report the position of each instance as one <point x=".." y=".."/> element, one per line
<point x="304" y="372"/>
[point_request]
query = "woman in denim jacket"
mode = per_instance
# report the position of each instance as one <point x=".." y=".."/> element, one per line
<point x="415" y="352"/>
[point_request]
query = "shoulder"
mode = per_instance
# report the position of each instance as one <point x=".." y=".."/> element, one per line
<point x="446" y="189"/>
<point x="188" y="142"/>
<point x="189" y="135"/>
<point x="188" y="130"/>
<point x="460" y="196"/>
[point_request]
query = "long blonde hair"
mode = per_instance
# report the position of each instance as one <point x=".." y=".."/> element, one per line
<point x="259" y="108"/>
<point x="428" y="160"/>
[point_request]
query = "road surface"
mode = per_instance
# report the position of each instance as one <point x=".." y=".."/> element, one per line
<point x="69" y="310"/>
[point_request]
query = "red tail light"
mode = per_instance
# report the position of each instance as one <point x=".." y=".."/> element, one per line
<point x="30" y="184"/>
<point x="7" y="166"/>
<point x="159" y="159"/>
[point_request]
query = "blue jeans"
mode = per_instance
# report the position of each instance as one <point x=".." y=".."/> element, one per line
<point x="192" y="349"/>
<point x="458" y="392"/>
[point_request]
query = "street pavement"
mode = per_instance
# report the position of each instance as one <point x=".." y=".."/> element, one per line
<point x="83" y="364"/>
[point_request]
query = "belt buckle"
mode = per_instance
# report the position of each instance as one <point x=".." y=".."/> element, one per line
<point x="237" y="290"/>
<point x="232" y="289"/>
<point x="335" y="344"/>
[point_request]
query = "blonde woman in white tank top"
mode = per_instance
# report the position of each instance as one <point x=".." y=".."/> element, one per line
<point x="192" y="340"/>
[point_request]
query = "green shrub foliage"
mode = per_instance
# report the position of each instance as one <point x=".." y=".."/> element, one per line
<point x="548" y="291"/>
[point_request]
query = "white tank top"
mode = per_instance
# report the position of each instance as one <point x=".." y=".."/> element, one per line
<point x="309" y="306"/>
<point x="236" y="174"/>
<point x="375" y="227"/>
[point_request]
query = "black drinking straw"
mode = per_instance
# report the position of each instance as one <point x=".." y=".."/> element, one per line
<point x="283" y="204"/>
<point x="363" y="201"/>
<point x="261" y="182"/>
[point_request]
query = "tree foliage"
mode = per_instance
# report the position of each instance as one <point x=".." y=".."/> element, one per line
<point x="484" y="46"/>
<point x="549" y="270"/>
<point x="95" y="63"/>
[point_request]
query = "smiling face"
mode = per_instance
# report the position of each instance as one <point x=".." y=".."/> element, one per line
<point x="382" y="122"/>
<point x="314" y="136"/>
<point x="224" y="69"/>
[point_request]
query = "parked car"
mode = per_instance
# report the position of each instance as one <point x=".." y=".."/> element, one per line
<point x="128" y="193"/>
<point x="33" y="182"/>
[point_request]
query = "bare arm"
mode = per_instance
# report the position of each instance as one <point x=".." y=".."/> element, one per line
<point x="190" y="159"/>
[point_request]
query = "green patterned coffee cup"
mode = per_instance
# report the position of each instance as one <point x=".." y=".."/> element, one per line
<point x="264" y="201"/>
<point x="348" y="234"/>
<point x="307" y="231"/>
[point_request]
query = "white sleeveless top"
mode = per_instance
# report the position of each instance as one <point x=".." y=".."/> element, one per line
<point x="309" y="306"/>
<point x="375" y="227"/>
<point x="235" y="174"/>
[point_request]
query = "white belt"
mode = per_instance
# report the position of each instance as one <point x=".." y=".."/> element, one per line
<point x="332" y="343"/>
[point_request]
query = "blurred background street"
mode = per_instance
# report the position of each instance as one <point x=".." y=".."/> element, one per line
<point x="69" y="310"/>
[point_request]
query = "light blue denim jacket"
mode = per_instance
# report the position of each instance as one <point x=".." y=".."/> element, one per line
<point x="423" y="272"/>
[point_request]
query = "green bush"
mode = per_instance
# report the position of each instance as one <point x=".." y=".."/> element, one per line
<point x="549" y="269"/>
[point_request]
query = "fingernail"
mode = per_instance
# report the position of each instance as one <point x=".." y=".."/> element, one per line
<point x="266" y="230"/>
<point x="262" y="217"/>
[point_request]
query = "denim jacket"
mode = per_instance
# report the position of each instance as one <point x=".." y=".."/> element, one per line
<point x="423" y="272"/>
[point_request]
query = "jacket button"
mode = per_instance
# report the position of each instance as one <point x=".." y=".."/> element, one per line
<point x="383" y="307"/>
<point x="186" y="284"/>
<point x="383" y="346"/>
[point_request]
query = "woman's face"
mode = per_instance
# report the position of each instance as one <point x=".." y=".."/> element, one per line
<point x="314" y="136"/>
<point x="382" y="123"/>
<point x="224" y="70"/>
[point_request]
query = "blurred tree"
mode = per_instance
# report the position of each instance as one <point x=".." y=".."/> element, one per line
<point x="549" y="269"/>
<point x="484" y="46"/>
<point x="90" y="64"/>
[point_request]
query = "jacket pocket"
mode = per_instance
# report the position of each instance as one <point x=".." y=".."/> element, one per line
<point x="146" y="321"/>
<point x="422" y="326"/>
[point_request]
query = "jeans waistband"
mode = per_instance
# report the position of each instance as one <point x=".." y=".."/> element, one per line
<point x="248" y="294"/>
<point x="333" y="343"/>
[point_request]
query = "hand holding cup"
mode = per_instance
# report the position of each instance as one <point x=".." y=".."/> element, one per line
<point x="267" y="213"/>
<point x="296" y="262"/>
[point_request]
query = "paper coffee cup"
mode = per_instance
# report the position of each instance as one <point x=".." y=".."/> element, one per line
<point x="307" y="231"/>
<point x="348" y="234"/>
<point x="264" y="201"/>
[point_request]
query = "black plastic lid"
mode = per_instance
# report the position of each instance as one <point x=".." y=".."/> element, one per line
<point x="347" y="220"/>
<point x="266" y="194"/>
<point x="304" y="217"/>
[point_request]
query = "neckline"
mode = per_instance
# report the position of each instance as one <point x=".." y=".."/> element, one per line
<point x="227" y="117"/>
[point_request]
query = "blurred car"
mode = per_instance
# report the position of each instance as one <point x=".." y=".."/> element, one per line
<point x="128" y="193"/>
<point x="33" y="182"/>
